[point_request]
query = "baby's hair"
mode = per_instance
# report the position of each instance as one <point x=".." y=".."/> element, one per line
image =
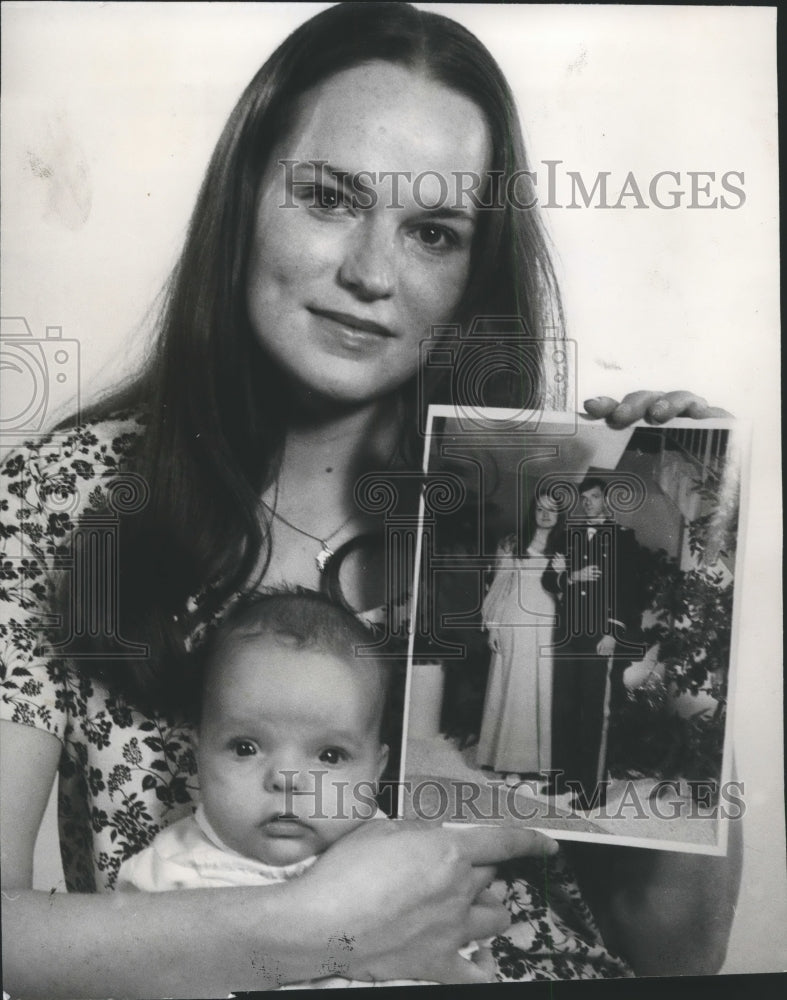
<point x="304" y="619"/>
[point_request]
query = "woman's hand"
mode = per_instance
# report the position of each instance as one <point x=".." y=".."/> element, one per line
<point x="399" y="899"/>
<point x="559" y="564"/>
<point x="655" y="407"/>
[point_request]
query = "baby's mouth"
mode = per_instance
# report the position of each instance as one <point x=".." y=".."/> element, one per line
<point x="285" y="825"/>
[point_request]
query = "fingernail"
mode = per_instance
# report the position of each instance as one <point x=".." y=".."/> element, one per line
<point x="660" y="408"/>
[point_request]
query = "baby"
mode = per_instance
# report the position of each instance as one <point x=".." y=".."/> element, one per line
<point x="289" y="750"/>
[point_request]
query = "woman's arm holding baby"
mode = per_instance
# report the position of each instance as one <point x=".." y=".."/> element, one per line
<point x="99" y="945"/>
<point x="389" y="901"/>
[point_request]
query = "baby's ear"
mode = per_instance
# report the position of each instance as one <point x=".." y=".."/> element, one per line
<point x="382" y="759"/>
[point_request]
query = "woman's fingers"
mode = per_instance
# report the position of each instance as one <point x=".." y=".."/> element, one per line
<point x="677" y="404"/>
<point x="487" y="920"/>
<point x="490" y="845"/>
<point x="655" y="406"/>
<point x="681" y="403"/>
<point x="479" y="878"/>
<point x="414" y="894"/>
<point x="600" y="406"/>
<point x="632" y="407"/>
<point x="707" y="412"/>
<point x="457" y="970"/>
<point x="486" y="898"/>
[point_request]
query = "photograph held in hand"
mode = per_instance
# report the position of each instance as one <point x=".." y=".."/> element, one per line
<point x="573" y="664"/>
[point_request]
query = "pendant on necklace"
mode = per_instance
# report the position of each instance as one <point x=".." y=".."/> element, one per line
<point x="323" y="556"/>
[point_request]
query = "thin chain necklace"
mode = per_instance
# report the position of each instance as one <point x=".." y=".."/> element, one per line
<point x="326" y="551"/>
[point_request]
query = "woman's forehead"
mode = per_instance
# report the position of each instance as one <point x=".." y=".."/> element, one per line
<point x="382" y="117"/>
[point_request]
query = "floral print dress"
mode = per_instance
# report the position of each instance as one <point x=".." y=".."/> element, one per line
<point x="123" y="774"/>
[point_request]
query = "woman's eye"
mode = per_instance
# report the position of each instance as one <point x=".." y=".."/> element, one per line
<point x="244" y="748"/>
<point x="436" y="237"/>
<point x="332" y="755"/>
<point x="327" y="199"/>
<point x="320" y="198"/>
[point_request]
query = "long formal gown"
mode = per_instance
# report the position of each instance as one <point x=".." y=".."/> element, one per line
<point x="519" y="616"/>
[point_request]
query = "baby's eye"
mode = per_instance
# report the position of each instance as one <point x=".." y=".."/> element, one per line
<point x="332" y="755"/>
<point x="244" y="748"/>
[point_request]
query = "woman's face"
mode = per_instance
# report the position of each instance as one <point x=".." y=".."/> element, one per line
<point x="347" y="276"/>
<point x="546" y="515"/>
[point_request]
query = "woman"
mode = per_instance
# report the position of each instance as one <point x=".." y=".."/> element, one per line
<point x="285" y="368"/>
<point x="516" y="729"/>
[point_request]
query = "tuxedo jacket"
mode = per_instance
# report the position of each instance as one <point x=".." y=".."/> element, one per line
<point x="610" y="605"/>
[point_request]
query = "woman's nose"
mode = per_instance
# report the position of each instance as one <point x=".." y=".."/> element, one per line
<point x="368" y="265"/>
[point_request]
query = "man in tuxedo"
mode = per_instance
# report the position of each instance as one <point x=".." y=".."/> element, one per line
<point x="595" y="576"/>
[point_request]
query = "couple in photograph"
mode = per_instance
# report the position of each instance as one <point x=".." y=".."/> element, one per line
<point x="560" y="610"/>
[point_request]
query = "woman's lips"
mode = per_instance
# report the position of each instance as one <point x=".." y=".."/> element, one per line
<point x="355" y="325"/>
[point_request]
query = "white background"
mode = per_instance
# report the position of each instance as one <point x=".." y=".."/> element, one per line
<point x="109" y="115"/>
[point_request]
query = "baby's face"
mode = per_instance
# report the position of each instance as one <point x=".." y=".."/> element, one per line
<point x="289" y="749"/>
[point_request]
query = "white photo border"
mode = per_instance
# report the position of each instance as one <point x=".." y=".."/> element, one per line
<point x="738" y="455"/>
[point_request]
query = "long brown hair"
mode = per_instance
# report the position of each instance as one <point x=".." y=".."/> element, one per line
<point x="213" y="399"/>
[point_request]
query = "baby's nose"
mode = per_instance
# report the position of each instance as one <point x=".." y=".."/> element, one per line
<point x="285" y="777"/>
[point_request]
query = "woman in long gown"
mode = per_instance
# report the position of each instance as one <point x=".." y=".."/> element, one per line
<point x="519" y="614"/>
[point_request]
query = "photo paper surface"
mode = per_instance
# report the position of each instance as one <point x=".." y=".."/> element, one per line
<point x="543" y="537"/>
